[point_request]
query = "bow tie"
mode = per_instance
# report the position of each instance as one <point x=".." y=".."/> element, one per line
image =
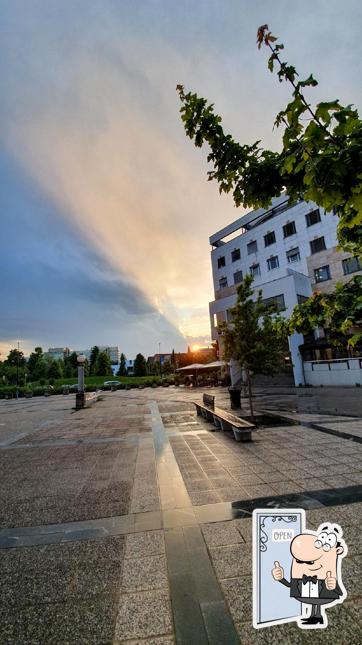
<point x="309" y="579"/>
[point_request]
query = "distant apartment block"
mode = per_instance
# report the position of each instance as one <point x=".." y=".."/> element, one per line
<point x="58" y="352"/>
<point x="113" y="353"/>
<point x="290" y="250"/>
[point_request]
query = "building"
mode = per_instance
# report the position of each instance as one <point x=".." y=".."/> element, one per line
<point x="113" y="353"/>
<point x="58" y="352"/>
<point x="159" y="359"/>
<point x="290" y="250"/>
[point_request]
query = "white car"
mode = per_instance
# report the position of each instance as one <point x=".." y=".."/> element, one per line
<point x="111" y="383"/>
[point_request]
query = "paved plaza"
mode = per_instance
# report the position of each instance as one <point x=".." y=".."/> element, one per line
<point x="130" y="521"/>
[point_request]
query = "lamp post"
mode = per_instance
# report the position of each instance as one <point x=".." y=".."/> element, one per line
<point x="80" y="396"/>
<point x="159" y="356"/>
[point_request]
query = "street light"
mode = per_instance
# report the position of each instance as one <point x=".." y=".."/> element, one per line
<point x="159" y="356"/>
<point x="80" y="396"/>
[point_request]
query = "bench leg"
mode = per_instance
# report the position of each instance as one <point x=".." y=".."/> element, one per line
<point x="242" y="435"/>
<point x="217" y="423"/>
<point x="198" y="411"/>
<point x="224" y="425"/>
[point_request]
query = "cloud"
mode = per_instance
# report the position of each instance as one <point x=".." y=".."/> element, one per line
<point x="90" y="113"/>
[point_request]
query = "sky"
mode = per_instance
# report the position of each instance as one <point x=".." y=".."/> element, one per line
<point x="104" y="205"/>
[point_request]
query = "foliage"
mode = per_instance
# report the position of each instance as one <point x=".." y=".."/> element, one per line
<point x="35" y="357"/>
<point x="122" y="366"/>
<point x="140" y="365"/>
<point x="321" y="157"/>
<point x="167" y="367"/>
<point x="339" y="313"/>
<point x="103" y="365"/>
<point x="256" y="337"/>
<point x="93" y="359"/>
<point x="54" y="370"/>
<point x="15" y="358"/>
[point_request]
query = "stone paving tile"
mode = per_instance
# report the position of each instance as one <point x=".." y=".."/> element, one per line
<point x="232" y="494"/>
<point x="162" y="640"/>
<point x="220" y="534"/>
<point x="198" y="498"/>
<point x="288" y="634"/>
<point x="143" y="615"/>
<point x="239" y="597"/>
<point x="259" y="490"/>
<point x="355" y="476"/>
<point x="271" y="477"/>
<point x="76" y="584"/>
<point x="89" y="622"/>
<point x="343" y="515"/>
<point x="144" y="544"/>
<point x="287" y="487"/>
<point x="228" y="560"/>
<point x="198" y="484"/>
<point x="351" y="574"/>
<point x="245" y="528"/>
<point x="248" y="479"/>
<point x="342" y="628"/>
<point x="144" y="573"/>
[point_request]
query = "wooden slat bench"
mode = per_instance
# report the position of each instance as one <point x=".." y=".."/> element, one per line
<point x="224" y="420"/>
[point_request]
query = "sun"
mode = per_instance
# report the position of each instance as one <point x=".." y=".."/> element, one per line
<point x="195" y="348"/>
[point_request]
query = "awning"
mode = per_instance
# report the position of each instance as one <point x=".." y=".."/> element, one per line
<point x="202" y="367"/>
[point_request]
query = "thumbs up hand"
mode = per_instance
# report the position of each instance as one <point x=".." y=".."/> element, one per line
<point x="330" y="581"/>
<point x="277" y="572"/>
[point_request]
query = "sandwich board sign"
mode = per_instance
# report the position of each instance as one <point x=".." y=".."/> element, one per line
<point x="273" y="531"/>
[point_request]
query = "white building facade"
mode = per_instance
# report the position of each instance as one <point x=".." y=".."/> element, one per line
<point x="281" y="248"/>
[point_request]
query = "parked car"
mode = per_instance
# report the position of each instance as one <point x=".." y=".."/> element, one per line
<point x="111" y="383"/>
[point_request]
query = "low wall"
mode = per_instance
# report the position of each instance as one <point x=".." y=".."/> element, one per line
<point x="341" y="371"/>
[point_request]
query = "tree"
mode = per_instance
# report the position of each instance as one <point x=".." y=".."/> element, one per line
<point x="256" y="336"/>
<point x="167" y="367"/>
<point x="34" y="358"/>
<point x="15" y="358"/>
<point x="93" y="359"/>
<point x="320" y="160"/>
<point x="140" y="365"/>
<point x="122" y="366"/>
<point x="103" y="365"/>
<point x="339" y="313"/>
<point x="54" y="370"/>
<point x="71" y="365"/>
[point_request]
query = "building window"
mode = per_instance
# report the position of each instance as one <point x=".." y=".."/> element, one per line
<point x="238" y="276"/>
<point x="273" y="263"/>
<point x="229" y="315"/>
<point x="221" y="262"/>
<point x="269" y="238"/>
<point x="289" y="229"/>
<point x="317" y="245"/>
<point x="235" y="255"/>
<point x="252" y="247"/>
<point x="255" y="270"/>
<point x="351" y="265"/>
<point x="301" y="299"/>
<point x="322" y="274"/>
<point x="313" y="217"/>
<point x="223" y="282"/>
<point x="293" y="255"/>
<point x="275" y="302"/>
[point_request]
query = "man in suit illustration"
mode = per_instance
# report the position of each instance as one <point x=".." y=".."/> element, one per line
<point x="316" y="571"/>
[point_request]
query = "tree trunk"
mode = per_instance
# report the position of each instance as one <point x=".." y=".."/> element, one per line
<point x="250" y="394"/>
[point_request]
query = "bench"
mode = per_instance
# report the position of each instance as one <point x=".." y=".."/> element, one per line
<point x="86" y="399"/>
<point x="224" y="420"/>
